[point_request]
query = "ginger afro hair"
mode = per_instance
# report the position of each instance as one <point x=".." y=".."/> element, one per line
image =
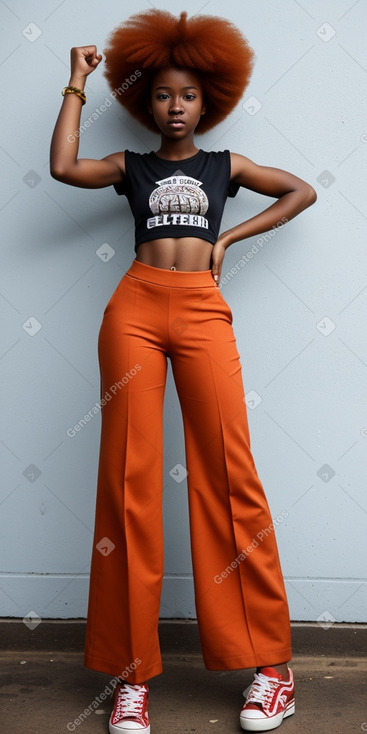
<point x="151" y="40"/>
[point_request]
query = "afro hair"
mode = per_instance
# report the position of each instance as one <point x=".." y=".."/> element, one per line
<point x="148" y="41"/>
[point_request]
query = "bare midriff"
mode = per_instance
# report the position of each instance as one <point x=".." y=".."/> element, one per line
<point x="176" y="253"/>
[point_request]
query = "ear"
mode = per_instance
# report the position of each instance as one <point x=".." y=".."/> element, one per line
<point x="203" y="109"/>
<point x="149" y="107"/>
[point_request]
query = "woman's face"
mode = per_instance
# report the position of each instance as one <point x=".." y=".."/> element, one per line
<point x="176" y="102"/>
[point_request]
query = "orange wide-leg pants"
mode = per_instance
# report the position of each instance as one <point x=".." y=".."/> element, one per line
<point x="240" y="598"/>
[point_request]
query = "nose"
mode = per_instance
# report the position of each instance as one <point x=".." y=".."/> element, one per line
<point x="175" y="106"/>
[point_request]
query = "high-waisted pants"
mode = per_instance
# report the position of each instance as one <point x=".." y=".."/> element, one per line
<point x="240" y="599"/>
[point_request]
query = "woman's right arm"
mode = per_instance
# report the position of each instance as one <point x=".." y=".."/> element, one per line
<point x="64" y="163"/>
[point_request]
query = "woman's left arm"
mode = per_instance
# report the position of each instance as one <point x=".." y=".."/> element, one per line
<point x="292" y="193"/>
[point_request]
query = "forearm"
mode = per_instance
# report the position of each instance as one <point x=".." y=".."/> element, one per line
<point x="64" y="143"/>
<point x="282" y="211"/>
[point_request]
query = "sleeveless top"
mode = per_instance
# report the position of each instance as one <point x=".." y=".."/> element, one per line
<point x="182" y="198"/>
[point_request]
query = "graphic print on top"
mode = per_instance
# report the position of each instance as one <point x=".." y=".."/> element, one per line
<point x="178" y="200"/>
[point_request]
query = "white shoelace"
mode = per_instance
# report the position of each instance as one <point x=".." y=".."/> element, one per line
<point x="262" y="689"/>
<point x="130" y="700"/>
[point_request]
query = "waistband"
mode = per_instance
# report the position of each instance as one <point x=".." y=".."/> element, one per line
<point x="171" y="278"/>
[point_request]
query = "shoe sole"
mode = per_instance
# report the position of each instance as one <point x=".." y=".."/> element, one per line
<point x="116" y="729"/>
<point x="270" y="723"/>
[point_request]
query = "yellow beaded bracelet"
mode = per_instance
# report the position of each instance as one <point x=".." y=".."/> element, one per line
<point x="75" y="90"/>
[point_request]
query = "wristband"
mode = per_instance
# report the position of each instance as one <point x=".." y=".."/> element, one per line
<point x="75" y="90"/>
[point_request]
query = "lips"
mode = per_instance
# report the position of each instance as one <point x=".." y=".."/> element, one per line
<point x="176" y="123"/>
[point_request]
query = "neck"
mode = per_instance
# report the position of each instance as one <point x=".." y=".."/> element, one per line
<point x="176" y="150"/>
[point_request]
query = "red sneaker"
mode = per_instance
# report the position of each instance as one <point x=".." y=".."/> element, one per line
<point x="130" y="710"/>
<point x="269" y="700"/>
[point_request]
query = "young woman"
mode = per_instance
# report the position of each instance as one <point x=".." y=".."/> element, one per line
<point x="179" y="76"/>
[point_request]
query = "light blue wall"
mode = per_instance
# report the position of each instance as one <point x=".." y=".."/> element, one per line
<point x="299" y="303"/>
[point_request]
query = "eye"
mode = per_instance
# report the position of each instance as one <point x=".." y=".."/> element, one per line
<point x="162" y="95"/>
<point x="190" y="96"/>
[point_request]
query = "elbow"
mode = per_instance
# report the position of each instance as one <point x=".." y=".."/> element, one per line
<point x="310" y="195"/>
<point x="56" y="176"/>
<point x="56" y="173"/>
<point x="306" y="195"/>
<point x="59" y="174"/>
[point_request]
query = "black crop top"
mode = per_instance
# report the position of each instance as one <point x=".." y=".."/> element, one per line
<point x="182" y="198"/>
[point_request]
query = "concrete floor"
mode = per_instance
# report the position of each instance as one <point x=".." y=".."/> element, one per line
<point x="45" y="687"/>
